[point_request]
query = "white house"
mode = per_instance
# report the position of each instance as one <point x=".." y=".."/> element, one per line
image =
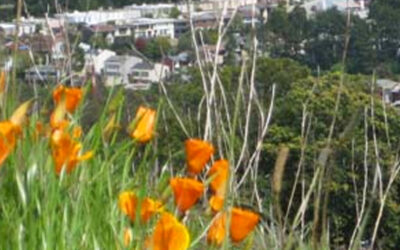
<point x="95" y="60"/>
<point x="117" y="69"/>
<point x="143" y="74"/>
<point x="220" y="4"/>
<point x="152" y="10"/>
<point x="25" y="28"/>
<point x="390" y="91"/>
<point x="42" y="73"/>
<point x="99" y="16"/>
<point x="129" y="12"/>
<point x="147" y="27"/>
<point x="357" y="7"/>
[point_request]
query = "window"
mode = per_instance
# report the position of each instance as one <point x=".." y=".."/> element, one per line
<point x="113" y="66"/>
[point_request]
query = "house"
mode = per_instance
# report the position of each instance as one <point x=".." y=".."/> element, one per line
<point x="99" y="16"/>
<point x="181" y="26"/>
<point x="357" y="7"/>
<point x="47" y="44"/>
<point x="42" y="73"/>
<point x="104" y="30"/>
<point x="149" y="27"/>
<point x="220" y="4"/>
<point x="390" y="91"/>
<point x="117" y="69"/>
<point x="152" y="10"/>
<point x="208" y="19"/>
<point x="178" y="61"/>
<point x="208" y="53"/>
<point x="95" y="60"/>
<point x="143" y="74"/>
<point x="10" y="29"/>
<point x="114" y="15"/>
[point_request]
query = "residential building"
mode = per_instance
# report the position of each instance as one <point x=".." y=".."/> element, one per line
<point x="99" y="16"/>
<point x="104" y="30"/>
<point x="30" y="26"/>
<point x="47" y="44"/>
<point x="181" y="26"/>
<point x="114" y="15"/>
<point x="143" y="74"/>
<point x="117" y="69"/>
<point x="128" y="30"/>
<point x="95" y="60"/>
<point x="42" y="73"/>
<point x="208" y="53"/>
<point x="208" y="19"/>
<point x="152" y="10"/>
<point x="220" y="4"/>
<point x="10" y="29"/>
<point x="149" y="27"/>
<point x="390" y="91"/>
<point x="357" y="7"/>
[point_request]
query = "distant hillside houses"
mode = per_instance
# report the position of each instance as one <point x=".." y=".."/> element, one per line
<point x="357" y="7"/>
<point x="129" y="12"/>
<point x="133" y="72"/>
<point x="29" y="26"/>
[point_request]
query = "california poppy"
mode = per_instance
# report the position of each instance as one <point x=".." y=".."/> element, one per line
<point x="242" y="223"/>
<point x="57" y="117"/>
<point x="198" y="153"/>
<point x="219" y="172"/>
<point x="187" y="192"/>
<point x="77" y="132"/>
<point x="145" y="119"/>
<point x="169" y="234"/>
<point x="66" y="151"/>
<point x="216" y="233"/>
<point x="216" y="203"/>
<point x="10" y="129"/>
<point x="72" y="97"/>
<point x="2" y="81"/>
<point x="127" y="237"/>
<point x="128" y="204"/>
<point x="8" y="133"/>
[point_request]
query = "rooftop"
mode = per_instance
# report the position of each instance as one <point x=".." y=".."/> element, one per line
<point x="143" y="66"/>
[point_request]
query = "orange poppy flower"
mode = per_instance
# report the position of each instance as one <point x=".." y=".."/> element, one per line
<point x="128" y="203"/>
<point x="216" y="233"/>
<point x="186" y="192"/>
<point x="66" y="151"/>
<point x="220" y="172"/>
<point x="242" y="223"/>
<point x="72" y="97"/>
<point x="169" y="234"/>
<point x="127" y="237"/>
<point x="216" y="203"/>
<point x="77" y="132"/>
<point x="145" y="119"/>
<point x="8" y="134"/>
<point x="2" y="81"/>
<point x="57" y="117"/>
<point x="198" y="153"/>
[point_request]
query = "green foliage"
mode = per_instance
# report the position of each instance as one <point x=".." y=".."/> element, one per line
<point x="174" y="13"/>
<point x="156" y="48"/>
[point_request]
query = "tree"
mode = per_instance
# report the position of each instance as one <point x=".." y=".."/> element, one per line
<point x="156" y="48"/>
<point x="175" y="13"/>
<point x="185" y="42"/>
<point x="361" y="55"/>
<point x="386" y="19"/>
<point x="324" y="47"/>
